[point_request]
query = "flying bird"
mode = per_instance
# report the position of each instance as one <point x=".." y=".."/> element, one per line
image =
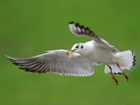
<point x="79" y="61"/>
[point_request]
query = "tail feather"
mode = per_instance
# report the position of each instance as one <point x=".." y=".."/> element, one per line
<point x="125" y="59"/>
<point x="115" y="69"/>
<point x="134" y="62"/>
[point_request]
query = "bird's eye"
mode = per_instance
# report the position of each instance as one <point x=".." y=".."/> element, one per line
<point x="77" y="46"/>
<point x="81" y="47"/>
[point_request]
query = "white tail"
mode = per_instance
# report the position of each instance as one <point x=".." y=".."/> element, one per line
<point x="125" y="59"/>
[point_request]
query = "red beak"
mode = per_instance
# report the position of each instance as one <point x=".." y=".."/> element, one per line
<point x="70" y="51"/>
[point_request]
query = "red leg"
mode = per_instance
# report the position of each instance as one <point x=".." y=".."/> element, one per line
<point x="113" y="75"/>
<point x="122" y="72"/>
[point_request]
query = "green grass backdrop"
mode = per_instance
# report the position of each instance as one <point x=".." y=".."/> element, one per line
<point x="31" y="27"/>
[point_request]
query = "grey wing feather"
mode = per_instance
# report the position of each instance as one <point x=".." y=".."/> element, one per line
<point x="56" y="62"/>
<point x="78" y="30"/>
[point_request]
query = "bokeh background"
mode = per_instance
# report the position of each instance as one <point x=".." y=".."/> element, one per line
<point x="31" y="27"/>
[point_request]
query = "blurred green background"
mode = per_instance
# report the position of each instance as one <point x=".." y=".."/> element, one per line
<point x="31" y="27"/>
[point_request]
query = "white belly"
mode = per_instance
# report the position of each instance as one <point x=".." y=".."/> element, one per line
<point x="102" y="55"/>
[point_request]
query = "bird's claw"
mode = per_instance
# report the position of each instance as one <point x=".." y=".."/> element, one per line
<point x="115" y="80"/>
<point x="126" y="77"/>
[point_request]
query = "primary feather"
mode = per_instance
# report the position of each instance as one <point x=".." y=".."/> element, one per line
<point x="56" y="62"/>
<point x="78" y="30"/>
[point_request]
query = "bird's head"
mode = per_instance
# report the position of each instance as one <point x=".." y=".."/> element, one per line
<point x="83" y="49"/>
<point x="77" y="48"/>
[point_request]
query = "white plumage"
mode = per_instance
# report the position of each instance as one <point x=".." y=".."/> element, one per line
<point x="85" y="56"/>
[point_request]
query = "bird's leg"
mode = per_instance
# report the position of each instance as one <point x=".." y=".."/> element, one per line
<point x="113" y="75"/>
<point x="122" y="72"/>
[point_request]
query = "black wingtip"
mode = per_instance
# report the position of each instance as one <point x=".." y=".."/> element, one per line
<point x="72" y="22"/>
<point x="77" y="24"/>
<point x="82" y="26"/>
<point x="87" y="28"/>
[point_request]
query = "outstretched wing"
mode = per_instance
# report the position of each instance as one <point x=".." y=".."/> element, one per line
<point x="78" y="30"/>
<point x="56" y="62"/>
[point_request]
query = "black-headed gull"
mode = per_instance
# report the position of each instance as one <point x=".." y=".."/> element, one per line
<point x="84" y="57"/>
